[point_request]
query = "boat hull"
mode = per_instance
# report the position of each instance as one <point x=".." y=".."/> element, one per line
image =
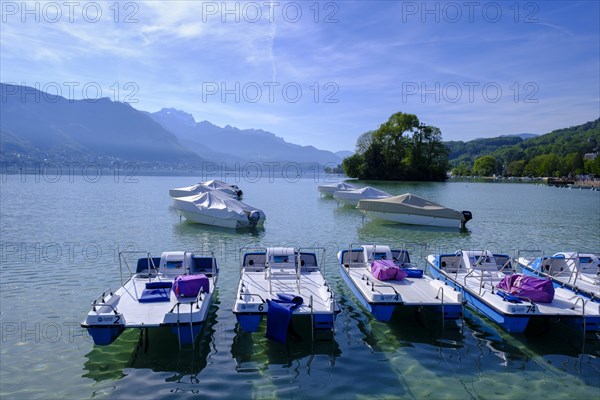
<point x="382" y="311"/>
<point x="207" y="220"/>
<point x="415" y="219"/>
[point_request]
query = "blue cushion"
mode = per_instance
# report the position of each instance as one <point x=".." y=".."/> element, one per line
<point x="159" y="285"/>
<point x="155" y="295"/>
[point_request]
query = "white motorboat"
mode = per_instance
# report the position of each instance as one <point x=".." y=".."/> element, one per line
<point x="275" y="277"/>
<point x="579" y="272"/>
<point x="329" y="189"/>
<point x="174" y="290"/>
<point x="217" y="209"/>
<point x="481" y="276"/>
<point x="352" y="197"/>
<point x="414" y="210"/>
<point x="203" y="187"/>
<point x="412" y="288"/>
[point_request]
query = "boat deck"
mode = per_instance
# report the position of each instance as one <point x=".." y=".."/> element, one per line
<point x="423" y="291"/>
<point x="256" y="287"/>
<point x="124" y="308"/>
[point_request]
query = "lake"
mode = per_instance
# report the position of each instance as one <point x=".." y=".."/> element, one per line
<point x="60" y="238"/>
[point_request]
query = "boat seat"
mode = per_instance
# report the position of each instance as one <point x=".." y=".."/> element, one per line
<point x="254" y="262"/>
<point x="106" y="306"/>
<point x="284" y="269"/>
<point x="451" y="265"/>
<point x="554" y="266"/>
<point x="155" y="295"/>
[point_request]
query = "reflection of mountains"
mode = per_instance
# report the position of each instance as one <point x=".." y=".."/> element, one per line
<point x="254" y="350"/>
<point x="156" y="349"/>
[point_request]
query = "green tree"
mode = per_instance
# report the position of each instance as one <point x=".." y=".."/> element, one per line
<point x="463" y="169"/>
<point x="364" y="141"/>
<point x="485" y="166"/>
<point x="400" y="149"/>
<point x="516" y="168"/>
<point x="592" y="166"/>
<point x="534" y="167"/>
<point x="352" y="165"/>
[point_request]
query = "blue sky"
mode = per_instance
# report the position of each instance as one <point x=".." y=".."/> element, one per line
<point x="319" y="73"/>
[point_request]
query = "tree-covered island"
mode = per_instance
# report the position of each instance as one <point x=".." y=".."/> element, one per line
<point x="402" y="149"/>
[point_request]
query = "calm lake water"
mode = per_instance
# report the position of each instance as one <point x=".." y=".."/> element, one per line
<point x="59" y="246"/>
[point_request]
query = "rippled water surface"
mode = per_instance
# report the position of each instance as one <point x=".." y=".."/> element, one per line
<point x="60" y="242"/>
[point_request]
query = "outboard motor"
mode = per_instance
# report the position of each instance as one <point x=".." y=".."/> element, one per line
<point x="253" y="218"/>
<point x="467" y="216"/>
<point x="239" y="193"/>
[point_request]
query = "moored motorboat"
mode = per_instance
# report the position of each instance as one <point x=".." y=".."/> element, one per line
<point x="174" y="290"/>
<point x="491" y="285"/>
<point x="281" y="283"/>
<point x="402" y="284"/>
<point x="414" y="210"/>
<point x="352" y="197"/>
<point x="328" y="189"/>
<point x="203" y="187"/>
<point x="579" y="272"/>
<point x="218" y="209"/>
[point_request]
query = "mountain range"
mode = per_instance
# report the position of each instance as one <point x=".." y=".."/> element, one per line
<point x="230" y="144"/>
<point x="35" y="125"/>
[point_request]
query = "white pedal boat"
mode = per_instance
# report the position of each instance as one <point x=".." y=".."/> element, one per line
<point x="147" y="299"/>
<point x="382" y="297"/>
<point x="267" y="272"/>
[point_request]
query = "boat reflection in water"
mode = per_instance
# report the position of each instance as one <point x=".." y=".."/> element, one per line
<point x="254" y="352"/>
<point x="152" y="349"/>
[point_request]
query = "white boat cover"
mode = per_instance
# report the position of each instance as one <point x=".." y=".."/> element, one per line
<point x="333" y="187"/>
<point x="409" y="204"/>
<point x="216" y="204"/>
<point x="222" y="186"/>
<point x="198" y="188"/>
<point x="363" y="193"/>
<point x="204" y="187"/>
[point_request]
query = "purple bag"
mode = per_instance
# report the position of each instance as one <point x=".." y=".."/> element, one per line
<point x="538" y="290"/>
<point x="385" y="270"/>
<point x="190" y="285"/>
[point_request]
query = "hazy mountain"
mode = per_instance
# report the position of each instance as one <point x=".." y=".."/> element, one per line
<point x="227" y="144"/>
<point x="523" y="136"/>
<point x="344" y="153"/>
<point x="36" y="122"/>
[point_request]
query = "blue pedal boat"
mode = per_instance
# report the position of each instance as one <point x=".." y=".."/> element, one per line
<point x="578" y="272"/>
<point x="477" y="274"/>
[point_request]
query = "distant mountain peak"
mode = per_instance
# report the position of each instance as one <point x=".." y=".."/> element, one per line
<point x="181" y="116"/>
<point x="220" y="143"/>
